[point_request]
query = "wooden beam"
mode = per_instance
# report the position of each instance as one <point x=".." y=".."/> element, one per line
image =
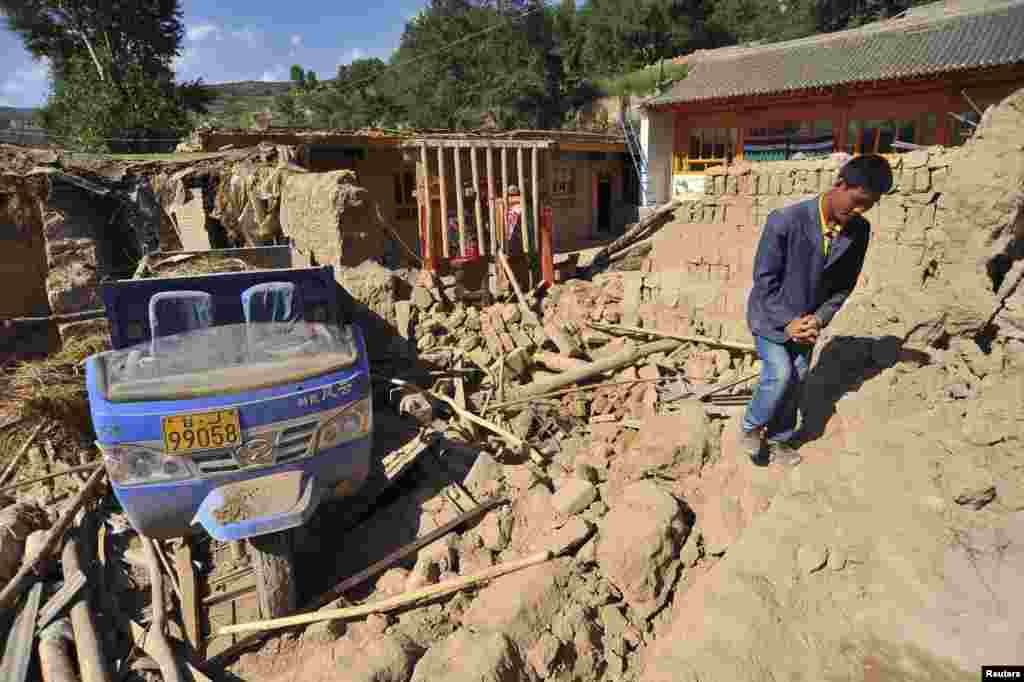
<point x="428" y="233"/>
<point x="477" y="208"/>
<point x="613" y="147"/>
<point x="535" y="194"/>
<point x="482" y="144"/>
<point x="459" y="201"/>
<point x="444" y="201"/>
<point x="521" y="171"/>
<point x="490" y="202"/>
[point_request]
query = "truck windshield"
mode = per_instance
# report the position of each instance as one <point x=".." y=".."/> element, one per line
<point x="225" y="359"/>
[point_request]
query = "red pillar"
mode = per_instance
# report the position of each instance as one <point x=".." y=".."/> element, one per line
<point x="547" y="246"/>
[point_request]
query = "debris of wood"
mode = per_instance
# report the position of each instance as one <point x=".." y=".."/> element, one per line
<point x="12" y="465"/>
<point x="47" y="477"/>
<point x="528" y="314"/>
<point x="513" y="440"/>
<point x="162" y="555"/>
<point x="159" y="646"/>
<point x="614" y="362"/>
<point x="56" y="604"/>
<point x="431" y="592"/>
<point x="55" y="319"/>
<point x="640" y="231"/>
<point x="569" y="391"/>
<point x="190" y="615"/>
<point x="17" y="585"/>
<point x="734" y="345"/>
<point x="56" y="645"/>
<point x="153" y="648"/>
<point x="371" y="571"/>
<point x="92" y="663"/>
<point x="18" y="652"/>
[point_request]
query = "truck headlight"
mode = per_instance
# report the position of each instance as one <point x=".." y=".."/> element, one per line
<point x="351" y="423"/>
<point x="134" y="465"/>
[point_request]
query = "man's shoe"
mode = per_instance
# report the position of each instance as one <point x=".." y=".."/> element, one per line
<point x="784" y="454"/>
<point x="750" y="443"/>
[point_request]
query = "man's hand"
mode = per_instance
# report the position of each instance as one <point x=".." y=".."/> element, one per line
<point x="803" y="329"/>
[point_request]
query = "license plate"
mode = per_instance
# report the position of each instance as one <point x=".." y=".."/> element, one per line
<point x="184" y="433"/>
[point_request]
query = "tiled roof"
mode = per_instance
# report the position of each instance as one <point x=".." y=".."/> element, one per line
<point x="934" y="41"/>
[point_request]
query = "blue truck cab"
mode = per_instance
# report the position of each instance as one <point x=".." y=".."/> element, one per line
<point x="233" y="402"/>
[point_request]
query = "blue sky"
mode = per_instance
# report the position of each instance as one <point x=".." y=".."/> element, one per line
<point x="233" y="40"/>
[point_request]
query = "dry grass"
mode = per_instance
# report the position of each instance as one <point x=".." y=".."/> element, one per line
<point x="199" y="265"/>
<point x="52" y="390"/>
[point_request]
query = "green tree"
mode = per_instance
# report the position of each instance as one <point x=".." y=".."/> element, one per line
<point x="85" y="111"/>
<point x="134" y="33"/>
<point x="298" y="75"/>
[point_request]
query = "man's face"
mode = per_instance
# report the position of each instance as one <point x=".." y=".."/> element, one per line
<point x="850" y="201"/>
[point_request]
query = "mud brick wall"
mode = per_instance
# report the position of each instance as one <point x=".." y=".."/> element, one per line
<point x="712" y="241"/>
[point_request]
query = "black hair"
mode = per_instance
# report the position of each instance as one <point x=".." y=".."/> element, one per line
<point x="871" y="171"/>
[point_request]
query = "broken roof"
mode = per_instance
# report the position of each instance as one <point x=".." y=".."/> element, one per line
<point x="928" y="40"/>
<point x="390" y="137"/>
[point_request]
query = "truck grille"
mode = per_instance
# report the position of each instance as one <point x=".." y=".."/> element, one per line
<point x="291" y="443"/>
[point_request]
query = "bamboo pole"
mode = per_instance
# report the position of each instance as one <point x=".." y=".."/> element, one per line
<point x="521" y="170"/>
<point x="614" y="362"/>
<point x="13" y="589"/>
<point x="460" y="201"/>
<point x="491" y="202"/>
<point x="443" y="179"/>
<point x="91" y="661"/>
<point x="396" y="602"/>
<point x="429" y="232"/>
<point x="734" y="345"/>
<point x="9" y="471"/>
<point x="477" y="207"/>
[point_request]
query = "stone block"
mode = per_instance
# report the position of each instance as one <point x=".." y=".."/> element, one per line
<point x="63" y="252"/>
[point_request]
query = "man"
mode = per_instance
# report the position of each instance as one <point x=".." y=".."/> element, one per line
<point x="808" y="261"/>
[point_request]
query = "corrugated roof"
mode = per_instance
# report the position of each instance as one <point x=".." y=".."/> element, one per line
<point x="948" y="37"/>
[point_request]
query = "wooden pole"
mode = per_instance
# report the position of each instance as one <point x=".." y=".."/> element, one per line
<point x="429" y="232"/>
<point x="398" y="601"/>
<point x="547" y="247"/>
<point x="521" y="170"/>
<point x="459" y="200"/>
<point x="9" y="471"/>
<point x="13" y="589"/>
<point x="160" y="647"/>
<point x="477" y="207"/>
<point x="535" y="193"/>
<point x="734" y="345"/>
<point x="614" y="362"/>
<point x="491" y="202"/>
<point x="442" y="177"/>
<point x="190" y="612"/>
<point x="40" y="479"/>
<point x="91" y="661"/>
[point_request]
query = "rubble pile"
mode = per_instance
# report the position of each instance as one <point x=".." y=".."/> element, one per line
<point x="579" y="442"/>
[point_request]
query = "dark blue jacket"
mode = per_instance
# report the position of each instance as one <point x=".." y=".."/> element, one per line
<point x="791" y="277"/>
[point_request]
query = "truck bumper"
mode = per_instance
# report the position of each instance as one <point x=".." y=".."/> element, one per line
<point x="167" y="510"/>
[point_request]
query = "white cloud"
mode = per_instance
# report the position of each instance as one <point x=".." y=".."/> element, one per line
<point x="277" y="73"/>
<point x="296" y="40"/>
<point x="201" y="32"/>
<point x="184" y="62"/>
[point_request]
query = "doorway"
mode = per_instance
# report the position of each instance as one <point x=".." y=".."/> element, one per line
<point x="604" y="204"/>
